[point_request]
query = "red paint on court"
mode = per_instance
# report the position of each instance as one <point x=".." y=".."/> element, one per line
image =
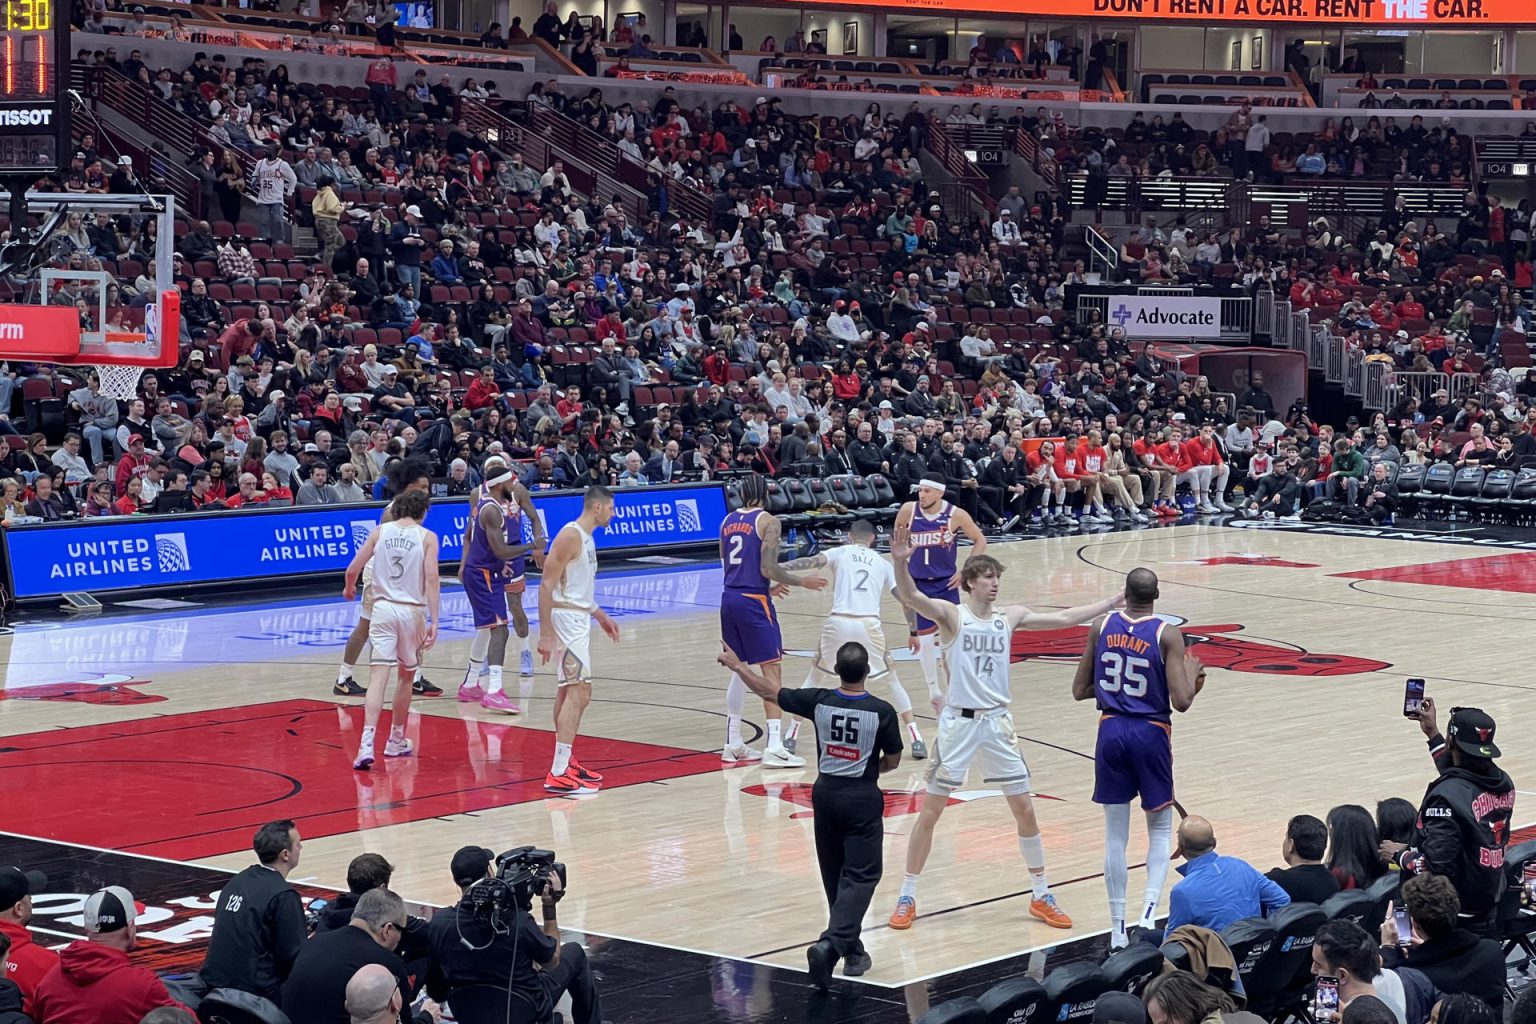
<point x="197" y="785"/>
<point x="1514" y="573"/>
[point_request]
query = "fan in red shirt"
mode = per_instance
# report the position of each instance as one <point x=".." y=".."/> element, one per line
<point x="1172" y="452"/>
<point x="1208" y="472"/>
<point x="1077" y="477"/>
<point x="26" y="961"/>
<point x="1041" y="466"/>
<point x="1163" y="473"/>
<point x="1409" y="308"/>
<point x="569" y="409"/>
<point x="482" y="392"/>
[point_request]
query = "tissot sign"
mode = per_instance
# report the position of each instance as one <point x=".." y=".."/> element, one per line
<point x="1165" y="316"/>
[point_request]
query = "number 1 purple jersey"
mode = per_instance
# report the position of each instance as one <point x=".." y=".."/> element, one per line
<point x="933" y="544"/>
<point x="1129" y="678"/>
<point x="741" y="552"/>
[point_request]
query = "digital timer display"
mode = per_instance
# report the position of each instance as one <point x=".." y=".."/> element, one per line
<point x="34" y="111"/>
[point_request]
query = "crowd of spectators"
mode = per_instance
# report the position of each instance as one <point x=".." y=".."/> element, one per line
<point x="832" y="318"/>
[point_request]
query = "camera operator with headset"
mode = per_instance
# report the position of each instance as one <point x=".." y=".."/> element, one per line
<point x="488" y="943"/>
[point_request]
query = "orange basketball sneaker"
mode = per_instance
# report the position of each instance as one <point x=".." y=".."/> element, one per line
<point x="904" y="914"/>
<point x="1042" y="909"/>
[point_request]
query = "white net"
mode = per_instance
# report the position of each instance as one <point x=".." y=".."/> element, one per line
<point x="118" y="381"/>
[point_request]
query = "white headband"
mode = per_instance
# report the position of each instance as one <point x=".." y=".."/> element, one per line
<point x="937" y="485"/>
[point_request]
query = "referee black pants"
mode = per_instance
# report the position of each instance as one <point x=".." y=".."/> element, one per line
<point x="850" y="829"/>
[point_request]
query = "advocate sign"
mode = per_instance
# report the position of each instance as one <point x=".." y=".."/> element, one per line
<point x="1257" y="13"/>
<point x="1165" y="316"/>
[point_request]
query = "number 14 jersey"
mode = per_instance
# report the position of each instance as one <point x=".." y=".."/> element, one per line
<point x="978" y="659"/>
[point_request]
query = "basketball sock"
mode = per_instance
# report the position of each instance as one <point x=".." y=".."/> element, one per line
<point x="775" y="726"/>
<point x="494" y="686"/>
<point x="928" y="657"/>
<point x="909" y="886"/>
<point x="1117" y="835"/>
<point x="793" y="730"/>
<point x="472" y="674"/>
<point x="417" y="677"/>
<point x="735" y="700"/>
<point x="913" y="732"/>
<point x="1159" y="849"/>
<point x="1033" y="852"/>
<point x="365" y="745"/>
<point x="525" y="642"/>
<point x="562" y="762"/>
<point x="397" y="732"/>
<point x="344" y="674"/>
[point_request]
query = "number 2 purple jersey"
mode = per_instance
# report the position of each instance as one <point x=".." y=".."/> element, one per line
<point x="741" y="552"/>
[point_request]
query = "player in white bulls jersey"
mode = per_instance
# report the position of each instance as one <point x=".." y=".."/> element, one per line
<point x="976" y="724"/>
<point x="861" y="579"/>
<point x="403" y="554"/>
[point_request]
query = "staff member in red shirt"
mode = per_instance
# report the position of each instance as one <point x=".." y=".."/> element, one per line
<point x="1076" y="477"/>
<point x="1172" y="452"/>
<point x="1163" y="473"/>
<point x="1210" y="470"/>
<point x="26" y="962"/>
<point x="1041" y="464"/>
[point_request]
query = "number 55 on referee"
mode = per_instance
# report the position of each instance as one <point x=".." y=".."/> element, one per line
<point x="858" y="736"/>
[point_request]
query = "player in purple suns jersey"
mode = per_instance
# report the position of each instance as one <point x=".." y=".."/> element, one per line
<point x="752" y="576"/>
<point x="935" y="526"/>
<point x="1136" y="667"/>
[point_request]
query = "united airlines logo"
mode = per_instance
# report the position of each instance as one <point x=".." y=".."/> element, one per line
<point x="688" y="515"/>
<point x="361" y="528"/>
<point x="656" y="518"/>
<point x="171" y="551"/>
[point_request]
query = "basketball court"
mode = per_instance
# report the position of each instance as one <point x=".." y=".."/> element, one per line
<point x="173" y="732"/>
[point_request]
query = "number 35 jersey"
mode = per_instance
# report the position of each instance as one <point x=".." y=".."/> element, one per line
<point x="1128" y="674"/>
<point x="978" y="661"/>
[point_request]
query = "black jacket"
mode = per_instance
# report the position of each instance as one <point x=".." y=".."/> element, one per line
<point x="316" y="991"/>
<point x="1462" y="827"/>
<point x="1306" y="883"/>
<point x="1002" y="473"/>
<point x="412" y="944"/>
<point x="866" y="456"/>
<point x="10" y="1004"/>
<point x="1458" y="962"/>
<point x="258" y="930"/>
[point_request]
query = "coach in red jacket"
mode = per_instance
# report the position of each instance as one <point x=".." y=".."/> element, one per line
<point x="95" y="982"/>
<point x="27" y="962"/>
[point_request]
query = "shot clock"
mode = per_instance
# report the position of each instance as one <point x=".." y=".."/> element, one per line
<point x="34" y="86"/>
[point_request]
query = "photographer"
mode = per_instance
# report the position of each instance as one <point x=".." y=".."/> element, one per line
<point x="474" y="949"/>
<point x="1463" y="821"/>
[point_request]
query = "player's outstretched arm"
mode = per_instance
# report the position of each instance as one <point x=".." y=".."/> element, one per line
<point x="756" y="683"/>
<point x="1082" y="682"/>
<point x="940" y="612"/>
<point x="355" y="567"/>
<point x="775" y="570"/>
<point x="1023" y="618"/>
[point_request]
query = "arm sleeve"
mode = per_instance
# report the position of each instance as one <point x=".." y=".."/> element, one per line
<point x="800" y="702"/>
<point x="540" y="947"/>
<point x="1271" y="896"/>
<point x="288" y="931"/>
<point x="1440" y="844"/>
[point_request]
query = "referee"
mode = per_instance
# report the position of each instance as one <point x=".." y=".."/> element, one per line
<point x="857" y="737"/>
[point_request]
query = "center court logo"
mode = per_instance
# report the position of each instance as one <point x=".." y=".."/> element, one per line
<point x="171" y="552"/>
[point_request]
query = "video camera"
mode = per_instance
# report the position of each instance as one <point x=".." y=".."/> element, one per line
<point x="520" y="874"/>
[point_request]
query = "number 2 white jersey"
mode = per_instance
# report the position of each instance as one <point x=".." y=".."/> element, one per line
<point x="978" y="661"/>
<point x="862" y="579"/>
<point x="399" y="560"/>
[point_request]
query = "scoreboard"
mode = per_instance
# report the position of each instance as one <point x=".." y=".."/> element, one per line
<point x="34" y="86"/>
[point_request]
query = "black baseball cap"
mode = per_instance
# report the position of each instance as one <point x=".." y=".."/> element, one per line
<point x="470" y="864"/>
<point x="1119" y="1008"/>
<point x="1472" y="730"/>
<point x="16" y="885"/>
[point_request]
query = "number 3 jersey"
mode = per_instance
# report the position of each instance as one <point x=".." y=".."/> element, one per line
<point x="1128" y="667"/>
<point x="978" y="661"/>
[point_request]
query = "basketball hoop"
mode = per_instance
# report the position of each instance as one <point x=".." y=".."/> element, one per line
<point x="118" y="380"/>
